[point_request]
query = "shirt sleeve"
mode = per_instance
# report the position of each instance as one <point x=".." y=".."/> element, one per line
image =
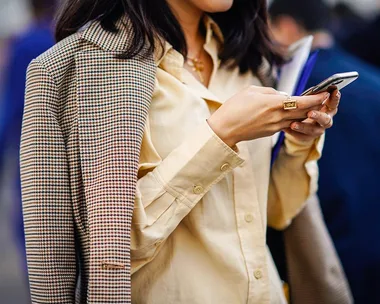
<point x="173" y="186"/>
<point x="294" y="178"/>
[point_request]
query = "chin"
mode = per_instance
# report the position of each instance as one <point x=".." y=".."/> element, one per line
<point x="216" y="6"/>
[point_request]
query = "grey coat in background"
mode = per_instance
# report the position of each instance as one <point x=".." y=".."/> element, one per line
<point x="315" y="273"/>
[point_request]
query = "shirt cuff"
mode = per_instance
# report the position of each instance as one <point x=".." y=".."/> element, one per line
<point x="193" y="168"/>
<point x="313" y="149"/>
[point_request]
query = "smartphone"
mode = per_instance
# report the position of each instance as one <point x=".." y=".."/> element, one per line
<point x="337" y="81"/>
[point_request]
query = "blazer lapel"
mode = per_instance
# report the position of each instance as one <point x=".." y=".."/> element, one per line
<point x="113" y="101"/>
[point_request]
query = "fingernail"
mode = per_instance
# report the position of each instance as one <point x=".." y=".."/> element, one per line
<point x="296" y="127"/>
<point x="313" y="115"/>
<point x="327" y="95"/>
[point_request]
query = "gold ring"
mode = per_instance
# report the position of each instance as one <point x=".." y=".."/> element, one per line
<point x="290" y="104"/>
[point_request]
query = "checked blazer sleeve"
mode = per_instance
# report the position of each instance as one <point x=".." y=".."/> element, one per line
<point x="47" y="207"/>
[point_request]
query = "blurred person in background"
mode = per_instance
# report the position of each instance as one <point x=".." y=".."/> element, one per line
<point x="365" y="42"/>
<point x="345" y="21"/>
<point x="146" y="154"/>
<point x="348" y="184"/>
<point x="24" y="47"/>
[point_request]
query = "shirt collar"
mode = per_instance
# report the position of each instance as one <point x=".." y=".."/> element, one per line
<point x="212" y="29"/>
<point x="162" y="49"/>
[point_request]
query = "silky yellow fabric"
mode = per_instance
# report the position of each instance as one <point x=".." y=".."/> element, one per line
<point x="200" y="218"/>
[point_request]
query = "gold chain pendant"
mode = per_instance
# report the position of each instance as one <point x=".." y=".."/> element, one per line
<point x="198" y="67"/>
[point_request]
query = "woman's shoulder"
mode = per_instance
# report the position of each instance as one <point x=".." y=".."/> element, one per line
<point x="61" y="53"/>
<point x="92" y="38"/>
<point x="60" y="56"/>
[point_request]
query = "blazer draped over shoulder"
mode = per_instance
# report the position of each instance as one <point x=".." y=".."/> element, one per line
<point x="83" y="125"/>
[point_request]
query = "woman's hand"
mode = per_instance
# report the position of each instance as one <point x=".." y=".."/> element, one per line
<point x="318" y="120"/>
<point x="258" y="112"/>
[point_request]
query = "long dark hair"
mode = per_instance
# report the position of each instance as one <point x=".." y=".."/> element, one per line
<point x="244" y="27"/>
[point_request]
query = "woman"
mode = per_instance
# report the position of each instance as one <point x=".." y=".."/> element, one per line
<point x="157" y="110"/>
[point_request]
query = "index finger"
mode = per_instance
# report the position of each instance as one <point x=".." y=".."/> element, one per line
<point x="311" y="101"/>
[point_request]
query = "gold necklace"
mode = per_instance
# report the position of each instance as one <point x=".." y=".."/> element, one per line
<point x="197" y="65"/>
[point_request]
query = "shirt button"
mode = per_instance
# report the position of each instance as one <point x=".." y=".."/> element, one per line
<point x="158" y="243"/>
<point x="198" y="189"/>
<point x="225" y="167"/>
<point x="248" y="217"/>
<point x="258" y="274"/>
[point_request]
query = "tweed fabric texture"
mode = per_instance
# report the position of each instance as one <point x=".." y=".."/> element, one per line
<point x="85" y="112"/>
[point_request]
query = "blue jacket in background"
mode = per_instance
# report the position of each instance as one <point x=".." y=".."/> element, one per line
<point x="349" y="187"/>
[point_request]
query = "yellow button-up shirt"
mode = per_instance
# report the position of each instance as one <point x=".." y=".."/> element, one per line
<point x="201" y="210"/>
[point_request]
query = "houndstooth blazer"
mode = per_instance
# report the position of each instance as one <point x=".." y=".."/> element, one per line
<point x="84" y="118"/>
<point x="83" y="124"/>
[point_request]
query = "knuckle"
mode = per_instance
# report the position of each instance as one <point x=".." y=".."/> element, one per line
<point x="274" y="106"/>
<point x="271" y="90"/>
<point x="324" y="121"/>
<point x="314" y="131"/>
<point x="300" y="128"/>
<point x="277" y="117"/>
<point x="317" y="115"/>
<point x="252" y="88"/>
<point x="250" y="93"/>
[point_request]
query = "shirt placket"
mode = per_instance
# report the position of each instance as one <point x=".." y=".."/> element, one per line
<point x="251" y="230"/>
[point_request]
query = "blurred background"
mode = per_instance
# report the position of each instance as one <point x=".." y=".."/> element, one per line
<point x="349" y="39"/>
